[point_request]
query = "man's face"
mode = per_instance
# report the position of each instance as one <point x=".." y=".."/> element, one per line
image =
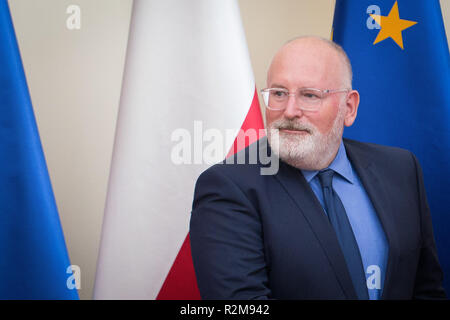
<point x="307" y="139"/>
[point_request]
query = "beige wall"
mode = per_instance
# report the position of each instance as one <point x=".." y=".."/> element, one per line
<point x="75" y="77"/>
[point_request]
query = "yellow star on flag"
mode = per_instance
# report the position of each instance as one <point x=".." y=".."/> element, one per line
<point x="392" y="26"/>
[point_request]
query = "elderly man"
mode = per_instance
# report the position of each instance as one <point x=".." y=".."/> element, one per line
<point x="340" y="219"/>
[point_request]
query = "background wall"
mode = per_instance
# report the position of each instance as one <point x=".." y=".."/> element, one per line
<point x="75" y="78"/>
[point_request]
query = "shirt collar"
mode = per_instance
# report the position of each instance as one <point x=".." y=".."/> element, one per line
<point x="340" y="164"/>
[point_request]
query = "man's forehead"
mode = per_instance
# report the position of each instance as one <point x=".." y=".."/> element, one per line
<point x="312" y="49"/>
<point x="310" y="58"/>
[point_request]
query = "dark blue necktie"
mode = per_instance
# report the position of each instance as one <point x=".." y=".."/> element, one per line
<point x="339" y="220"/>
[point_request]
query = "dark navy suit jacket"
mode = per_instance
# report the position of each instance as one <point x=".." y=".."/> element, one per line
<point x="259" y="236"/>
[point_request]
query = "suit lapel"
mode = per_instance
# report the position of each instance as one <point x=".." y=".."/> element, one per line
<point x="374" y="185"/>
<point x="299" y="190"/>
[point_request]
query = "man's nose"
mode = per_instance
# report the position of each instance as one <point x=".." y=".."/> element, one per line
<point x="292" y="109"/>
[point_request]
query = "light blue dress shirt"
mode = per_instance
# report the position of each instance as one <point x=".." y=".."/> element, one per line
<point x="366" y="226"/>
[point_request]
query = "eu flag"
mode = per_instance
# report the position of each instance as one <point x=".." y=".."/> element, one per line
<point x="401" y="65"/>
<point x="33" y="258"/>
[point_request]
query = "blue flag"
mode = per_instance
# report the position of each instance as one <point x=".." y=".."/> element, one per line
<point x="401" y="65"/>
<point x="34" y="263"/>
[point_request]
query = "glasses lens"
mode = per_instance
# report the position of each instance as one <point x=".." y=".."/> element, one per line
<point x="309" y="99"/>
<point x="275" y="98"/>
<point x="310" y="96"/>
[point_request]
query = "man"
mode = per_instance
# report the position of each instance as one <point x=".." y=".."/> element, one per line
<point x="339" y="220"/>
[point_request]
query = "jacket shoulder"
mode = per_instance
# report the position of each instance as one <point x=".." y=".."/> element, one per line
<point x="375" y="148"/>
<point x="376" y="152"/>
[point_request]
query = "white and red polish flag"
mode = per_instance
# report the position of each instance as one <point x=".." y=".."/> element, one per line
<point x="187" y="68"/>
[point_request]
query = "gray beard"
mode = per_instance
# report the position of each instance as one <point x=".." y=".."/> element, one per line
<point x="310" y="151"/>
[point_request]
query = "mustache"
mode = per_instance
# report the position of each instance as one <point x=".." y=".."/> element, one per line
<point x="292" y="125"/>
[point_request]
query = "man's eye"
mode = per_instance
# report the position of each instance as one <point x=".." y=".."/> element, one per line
<point x="279" y="94"/>
<point x="310" y="95"/>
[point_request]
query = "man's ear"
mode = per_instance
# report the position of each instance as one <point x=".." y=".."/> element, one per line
<point x="351" y="105"/>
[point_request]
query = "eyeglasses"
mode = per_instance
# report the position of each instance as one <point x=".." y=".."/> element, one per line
<point x="309" y="99"/>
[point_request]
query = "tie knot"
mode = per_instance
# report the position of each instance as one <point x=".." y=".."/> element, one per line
<point x="326" y="177"/>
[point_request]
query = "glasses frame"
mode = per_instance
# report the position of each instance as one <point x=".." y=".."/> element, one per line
<point x="319" y="91"/>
